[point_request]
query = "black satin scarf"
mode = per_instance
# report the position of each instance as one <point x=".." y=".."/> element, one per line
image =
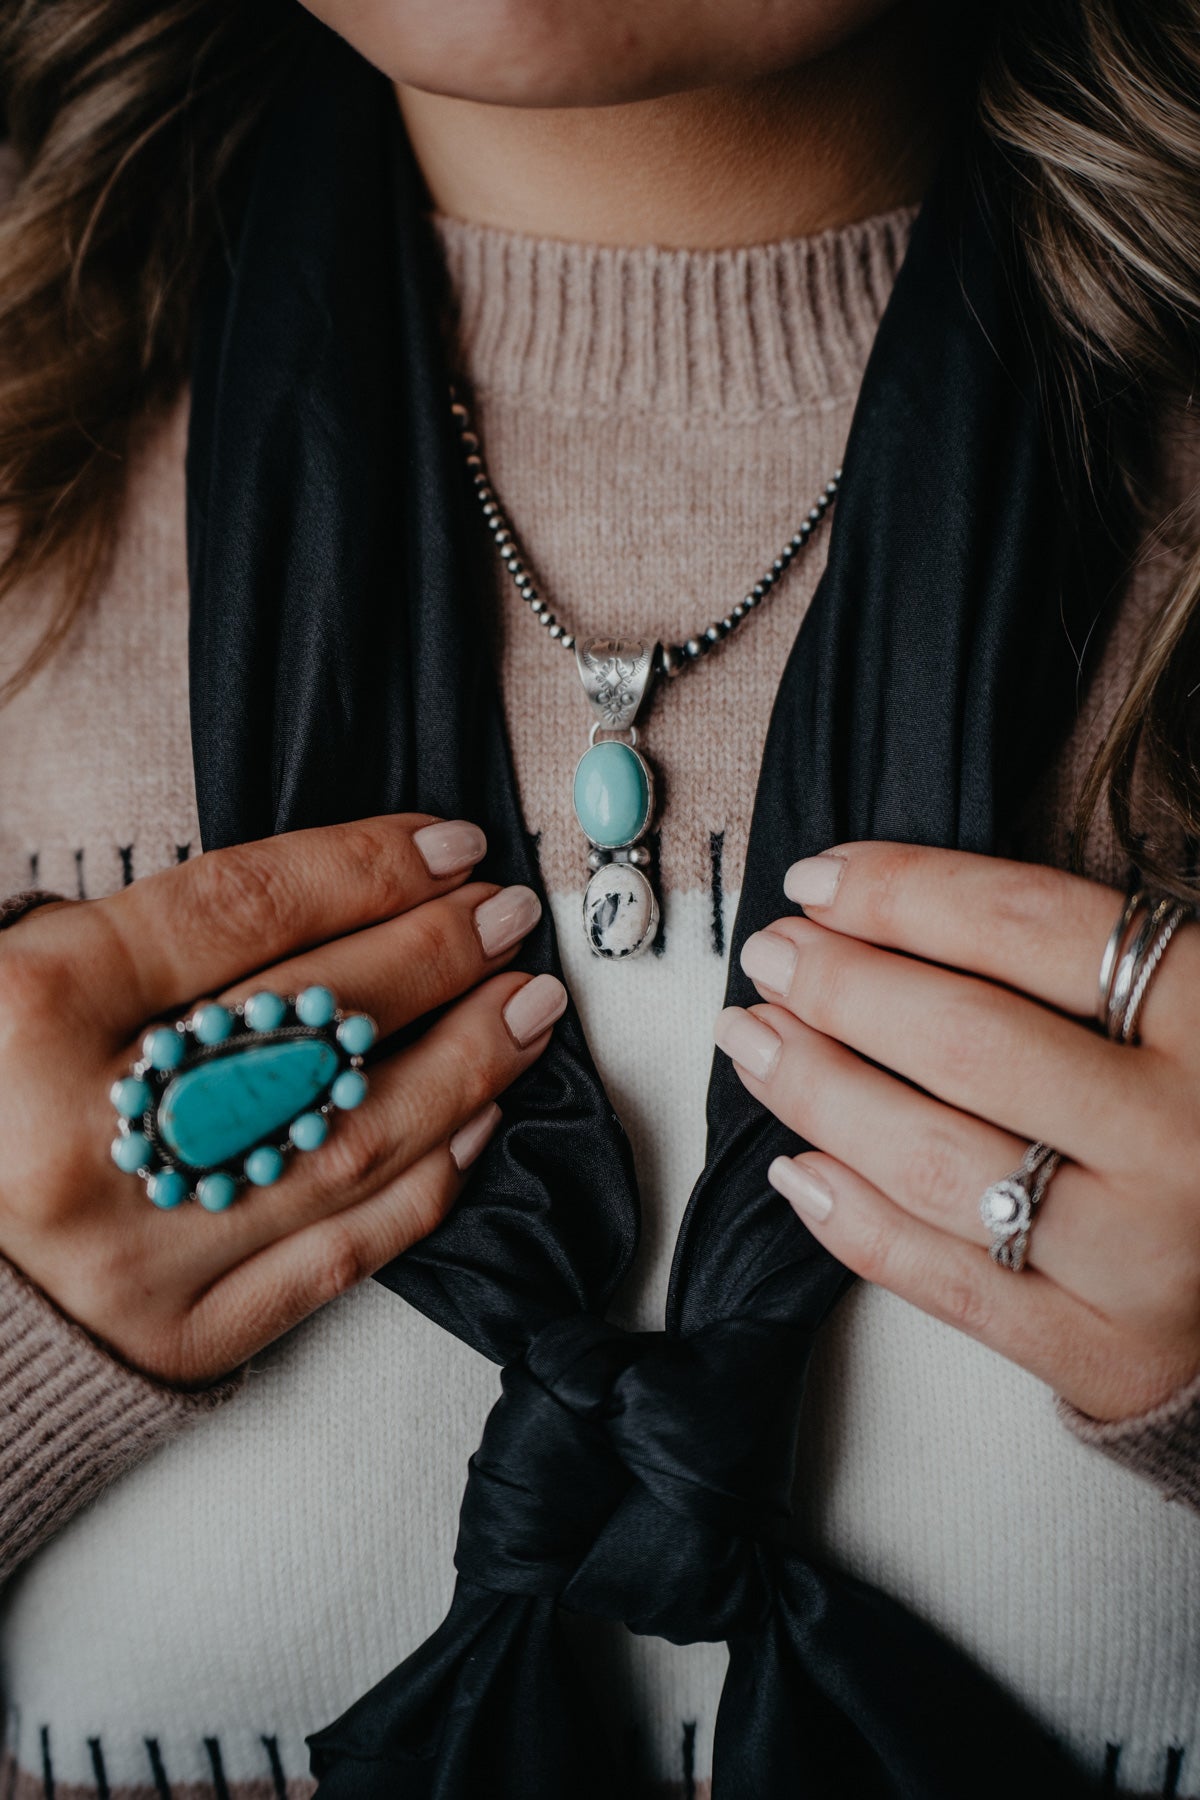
<point x="338" y="670"/>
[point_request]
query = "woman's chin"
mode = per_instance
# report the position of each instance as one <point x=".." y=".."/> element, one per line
<point x="562" y="53"/>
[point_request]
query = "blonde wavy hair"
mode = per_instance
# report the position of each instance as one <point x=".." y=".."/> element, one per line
<point x="128" y="117"/>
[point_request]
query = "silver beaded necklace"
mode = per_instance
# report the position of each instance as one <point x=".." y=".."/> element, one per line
<point x="614" y="785"/>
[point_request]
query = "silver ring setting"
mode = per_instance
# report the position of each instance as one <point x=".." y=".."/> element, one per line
<point x="1007" y="1208"/>
<point x="1132" y="957"/>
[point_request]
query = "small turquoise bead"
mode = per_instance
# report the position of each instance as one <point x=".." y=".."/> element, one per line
<point x="309" y="1131"/>
<point x="131" y="1152"/>
<point x="265" y="1011"/>
<point x="264" y="1165"/>
<point x="217" y="1191"/>
<point x="356" y="1034"/>
<point x="315" y="1006"/>
<point x="164" y="1048"/>
<point x="612" y="794"/>
<point x="212" y="1024"/>
<point x="131" y="1096"/>
<point x="167" y="1188"/>
<point x="349" y="1090"/>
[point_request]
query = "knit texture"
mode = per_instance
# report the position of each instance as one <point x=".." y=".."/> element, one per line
<point x="657" y="424"/>
<point x="72" y="1418"/>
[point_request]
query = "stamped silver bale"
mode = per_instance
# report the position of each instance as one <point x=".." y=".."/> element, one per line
<point x="620" y="912"/>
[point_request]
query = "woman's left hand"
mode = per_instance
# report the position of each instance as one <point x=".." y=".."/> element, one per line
<point x="930" y="1017"/>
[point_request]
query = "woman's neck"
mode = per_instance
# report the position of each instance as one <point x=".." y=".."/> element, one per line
<point x="851" y="134"/>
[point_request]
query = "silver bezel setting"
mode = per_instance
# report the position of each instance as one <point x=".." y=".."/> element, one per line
<point x="242" y="1037"/>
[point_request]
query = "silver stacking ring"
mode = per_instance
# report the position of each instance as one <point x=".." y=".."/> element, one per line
<point x="1009" y="1206"/>
<point x="1132" y="957"/>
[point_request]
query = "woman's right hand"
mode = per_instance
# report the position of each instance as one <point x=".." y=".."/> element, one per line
<point x="381" y="912"/>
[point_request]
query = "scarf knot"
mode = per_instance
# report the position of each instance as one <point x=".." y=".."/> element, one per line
<point x="604" y="1479"/>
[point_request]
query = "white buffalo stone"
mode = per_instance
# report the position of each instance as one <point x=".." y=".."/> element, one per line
<point x="620" y="913"/>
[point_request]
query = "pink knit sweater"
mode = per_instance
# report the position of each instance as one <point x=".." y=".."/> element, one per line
<point x="720" y="388"/>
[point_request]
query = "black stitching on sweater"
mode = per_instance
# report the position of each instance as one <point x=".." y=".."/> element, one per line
<point x="213" y="1746"/>
<point x="271" y="1746"/>
<point x="1112" y="1756"/>
<point x="98" y="1770"/>
<point x="654" y="843"/>
<point x="126" y="854"/>
<point x="162" y="1786"/>
<point x="79" y="887"/>
<point x="47" y="1765"/>
<point x="716" y="851"/>
<point x="1173" y="1771"/>
<point x="689" y="1759"/>
<point x="182" y="852"/>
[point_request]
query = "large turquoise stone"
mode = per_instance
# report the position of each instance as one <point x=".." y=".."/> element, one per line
<point x="612" y="794"/>
<point x="220" y="1108"/>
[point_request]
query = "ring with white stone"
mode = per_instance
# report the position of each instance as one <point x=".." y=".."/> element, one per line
<point x="1008" y="1207"/>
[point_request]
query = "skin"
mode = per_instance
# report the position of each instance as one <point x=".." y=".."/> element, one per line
<point x="188" y="1295"/>
<point x="938" y="1018"/>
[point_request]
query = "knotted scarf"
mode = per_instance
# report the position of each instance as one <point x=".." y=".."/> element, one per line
<point x="339" y="669"/>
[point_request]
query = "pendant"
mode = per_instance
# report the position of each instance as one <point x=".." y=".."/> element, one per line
<point x="614" y="799"/>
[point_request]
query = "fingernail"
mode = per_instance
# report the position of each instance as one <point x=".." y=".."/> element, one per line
<point x="751" y="1044"/>
<point x="534" y="1008"/>
<point x="769" y="960"/>
<point x="450" y="845"/>
<point x="802" y="1188"/>
<point x="814" y="880"/>
<point x="470" y="1138"/>
<point x="505" y="919"/>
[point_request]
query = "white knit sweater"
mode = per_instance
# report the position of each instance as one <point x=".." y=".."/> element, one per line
<point x="657" y="423"/>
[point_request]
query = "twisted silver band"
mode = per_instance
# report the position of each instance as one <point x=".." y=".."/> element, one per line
<point x="1009" y="1206"/>
<point x="1132" y="957"/>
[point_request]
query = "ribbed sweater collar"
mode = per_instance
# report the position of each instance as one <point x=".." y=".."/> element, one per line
<point x="587" y="328"/>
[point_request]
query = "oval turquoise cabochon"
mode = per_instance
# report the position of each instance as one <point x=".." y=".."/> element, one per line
<point x="612" y="794"/>
<point x="225" y="1105"/>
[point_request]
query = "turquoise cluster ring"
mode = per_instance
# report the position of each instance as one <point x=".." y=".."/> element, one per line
<point x="218" y="1100"/>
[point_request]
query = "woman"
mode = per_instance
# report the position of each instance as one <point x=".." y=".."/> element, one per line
<point x="658" y="244"/>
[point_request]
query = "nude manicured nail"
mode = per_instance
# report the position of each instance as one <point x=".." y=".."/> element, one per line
<point x="751" y="1044"/>
<point x="470" y="1138"/>
<point x="534" y="1008"/>
<point x="769" y="960"/>
<point x="814" y="880"/>
<point x="803" y="1189"/>
<point x="449" y="846"/>
<point x="506" y="918"/>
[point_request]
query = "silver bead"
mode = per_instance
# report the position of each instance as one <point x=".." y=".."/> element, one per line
<point x="713" y="634"/>
<point x="639" y="854"/>
<point x="728" y="624"/>
<point x="738" y="613"/>
<point x="474" y="462"/>
<point x="538" y="605"/>
<point x="814" y="516"/>
<point x="555" y="630"/>
<point x="470" y="441"/>
<point x="459" y="411"/>
<point x="549" y="620"/>
<point x="567" y="641"/>
<point x="695" y="647"/>
<point x="596" y="859"/>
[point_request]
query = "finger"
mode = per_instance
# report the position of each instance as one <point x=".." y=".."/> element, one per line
<point x="293" y="1276"/>
<point x="1025" y="1317"/>
<point x="1035" y="929"/>
<point x="418" y="1098"/>
<point x="203" y="925"/>
<point x="980" y="1047"/>
<point x="936" y="1163"/>
<point x="410" y="965"/>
